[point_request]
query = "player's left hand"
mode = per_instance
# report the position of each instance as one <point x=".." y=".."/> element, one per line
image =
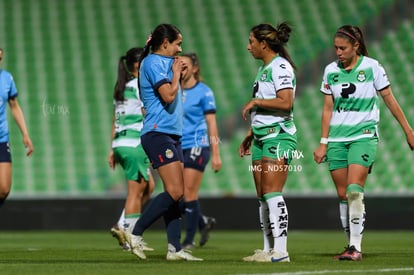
<point x="28" y="144"/>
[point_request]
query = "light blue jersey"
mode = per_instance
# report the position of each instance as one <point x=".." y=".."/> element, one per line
<point x="161" y="117"/>
<point x="7" y="91"/>
<point x="198" y="101"/>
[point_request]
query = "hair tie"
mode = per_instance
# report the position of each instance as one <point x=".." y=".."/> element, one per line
<point x="148" y="39"/>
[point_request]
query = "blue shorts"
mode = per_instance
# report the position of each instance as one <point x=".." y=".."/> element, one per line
<point x="196" y="158"/>
<point x="162" y="148"/>
<point x="5" y="155"/>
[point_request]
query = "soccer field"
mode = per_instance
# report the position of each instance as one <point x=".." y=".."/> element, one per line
<point x="96" y="252"/>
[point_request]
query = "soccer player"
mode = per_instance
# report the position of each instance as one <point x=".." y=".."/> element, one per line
<point x="159" y="84"/>
<point x="200" y="138"/>
<point x="349" y="130"/>
<point x="8" y="94"/>
<point x="126" y="148"/>
<point x="272" y="135"/>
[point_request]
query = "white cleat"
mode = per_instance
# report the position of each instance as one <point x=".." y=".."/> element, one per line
<point x="277" y="257"/>
<point x="137" y="244"/>
<point x="181" y="255"/>
<point x="258" y="256"/>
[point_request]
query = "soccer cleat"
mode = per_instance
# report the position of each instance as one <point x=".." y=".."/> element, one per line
<point x="351" y="254"/>
<point x="137" y="244"/>
<point x="181" y="255"/>
<point x="145" y="246"/>
<point x="119" y="234"/>
<point x="188" y="246"/>
<point x="277" y="257"/>
<point x="336" y="257"/>
<point x="210" y="222"/>
<point x="258" y="256"/>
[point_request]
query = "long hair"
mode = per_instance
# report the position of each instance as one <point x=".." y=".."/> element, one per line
<point x="157" y="37"/>
<point x="276" y="38"/>
<point x="125" y="69"/>
<point x="353" y="34"/>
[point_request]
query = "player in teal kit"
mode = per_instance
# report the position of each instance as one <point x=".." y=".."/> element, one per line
<point x="159" y="84"/>
<point x="8" y="95"/>
<point x="199" y="141"/>
<point x="350" y="118"/>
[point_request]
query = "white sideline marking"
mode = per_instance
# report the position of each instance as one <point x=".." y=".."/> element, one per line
<point x="338" y="271"/>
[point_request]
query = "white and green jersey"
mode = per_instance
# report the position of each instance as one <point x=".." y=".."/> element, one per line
<point x="128" y="117"/>
<point x="355" y="95"/>
<point x="275" y="76"/>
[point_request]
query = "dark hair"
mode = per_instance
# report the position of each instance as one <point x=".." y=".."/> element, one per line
<point x="125" y="68"/>
<point x="195" y="62"/>
<point x="157" y="37"/>
<point x="353" y="34"/>
<point x="276" y="38"/>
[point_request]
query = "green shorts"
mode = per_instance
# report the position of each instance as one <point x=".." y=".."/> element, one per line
<point x="283" y="146"/>
<point x="134" y="161"/>
<point x="361" y="151"/>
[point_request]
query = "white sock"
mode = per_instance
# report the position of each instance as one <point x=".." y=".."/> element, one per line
<point x="356" y="218"/>
<point x="121" y="219"/>
<point x="278" y="216"/>
<point x="343" y="215"/>
<point x="265" y="225"/>
<point x="130" y="221"/>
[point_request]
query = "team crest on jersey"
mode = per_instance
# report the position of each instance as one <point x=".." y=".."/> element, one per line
<point x="264" y="76"/>
<point x="361" y="76"/>
<point x="169" y="154"/>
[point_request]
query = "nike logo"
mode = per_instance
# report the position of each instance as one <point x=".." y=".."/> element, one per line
<point x="274" y="260"/>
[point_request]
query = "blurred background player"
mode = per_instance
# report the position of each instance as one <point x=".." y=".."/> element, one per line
<point x="200" y="139"/>
<point x="350" y="118"/>
<point x="8" y="95"/>
<point x="126" y="148"/>
<point x="159" y="84"/>
<point x="272" y="127"/>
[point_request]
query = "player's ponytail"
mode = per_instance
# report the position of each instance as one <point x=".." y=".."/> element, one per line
<point x="276" y="38"/>
<point x="126" y="67"/>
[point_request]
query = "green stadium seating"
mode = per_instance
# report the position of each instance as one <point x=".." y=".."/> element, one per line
<point x="64" y="55"/>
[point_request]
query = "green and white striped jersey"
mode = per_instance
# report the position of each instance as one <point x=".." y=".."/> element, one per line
<point x="270" y="79"/>
<point x="355" y="96"/>
<point x="128" y="117"/>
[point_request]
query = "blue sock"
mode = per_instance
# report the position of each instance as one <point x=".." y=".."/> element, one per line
<point x="172" y="219"/>
<point x="157" y="208"/>
<point x="192" y="214"/>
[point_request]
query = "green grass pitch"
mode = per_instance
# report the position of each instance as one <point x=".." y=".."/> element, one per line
<point x="97" y="252"/>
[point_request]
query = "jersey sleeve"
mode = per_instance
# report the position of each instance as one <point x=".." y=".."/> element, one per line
<point x="208" y="102"/>
<point x="325" y="88"/>
<point x="283" y="76"/>
<point x="380" y="78"/>
<point x="156" y="74"/>
<point x="12" y="93"/>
